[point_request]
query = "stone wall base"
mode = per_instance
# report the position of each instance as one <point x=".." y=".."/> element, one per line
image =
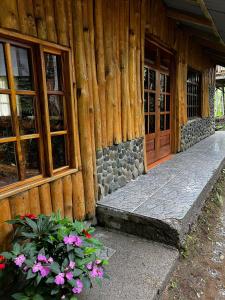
<point x="119" y="164"/>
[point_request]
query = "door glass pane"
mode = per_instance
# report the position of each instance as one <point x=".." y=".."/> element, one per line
<point x="162" y="124"/>
<point x="5" y="117"/>
<point x="26" y="114"/>
<point x="162" y="102"/>
<point x="53" y="72"/>
<point x="151" y="79"/>
<point x="8" y="168"/>
<point x="152" y="102"/>
<point x="58" y="151"/>
<point x="3" y="75"/>
<point x="145" y="102"/>
<point x="30" y="153"/>
<point x="151" y="124"/>
<point x="146" y="124"/>
<point x="167" y="84"/>
<point x="167" y="121"/>
<point x="162" y="83"/>
<point x="56" y="112"/>
<point x="167" y="103"/>
<point x="21" y="62"/>
<point x="145" y="77"/>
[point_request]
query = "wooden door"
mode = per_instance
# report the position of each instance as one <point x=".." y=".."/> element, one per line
<point x="157" y="103"/>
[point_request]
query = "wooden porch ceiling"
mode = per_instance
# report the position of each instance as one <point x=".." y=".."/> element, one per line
<point x="203" y="19"/>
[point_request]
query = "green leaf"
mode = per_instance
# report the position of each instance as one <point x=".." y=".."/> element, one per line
<point x="20" y="296"/>
<point x="7" y="255"/>
<point x="55" y="268"/>
<point x="90" y="250"/>
<point x="37" y="297"/>
<point x="73" y="298"/>
<point x="38" y="279"/>
<point x="29" y="235"/>
<point x="105" y="262"/>
<point x="99" y="282"/>
<point x="30" y="274"/>
<point x="87" y="283"/>
<point x="16" y="249"/>
<point x="54" y="291"/>
<point x="72" y="282"/>
<point x="79" y="252"/>
<point x="50" y="280"/>
<point x="77" y="272"/>
<point x="32" y="224"/>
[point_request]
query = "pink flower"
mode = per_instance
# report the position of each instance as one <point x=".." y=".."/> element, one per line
<point x="19" y="260"/>
<point x="78" y="288"/>
<point x="59" y="279"/>
<point x="42" y="258"/>
<point x="98" y="261"/>
<point x="69" y="276"/>
<point x="89" y="266"/>
<point x="44" y="271"/>
<point x="97" y="272"/>
<point x="73" y="240"/>
<point x="50" y="260"/>
<point x="36" y="267"/>
<point x="72" y="265"/>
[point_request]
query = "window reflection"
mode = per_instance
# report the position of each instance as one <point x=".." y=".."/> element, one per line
<point x="56" y="112"/>
<point x="5" y="117"/>
<point x="8" y="168"/>
<point x="30" y="153"/>
<point x="21" y="63"/>
<point x="53" y="72"/>
<point x="3" y="75"/>
<point x="58" y="151"/>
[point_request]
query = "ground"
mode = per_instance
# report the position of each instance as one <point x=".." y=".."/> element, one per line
<point x="200" y="273"/>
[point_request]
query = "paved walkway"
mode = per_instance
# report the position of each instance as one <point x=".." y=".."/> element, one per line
<point x="167" y="200"/>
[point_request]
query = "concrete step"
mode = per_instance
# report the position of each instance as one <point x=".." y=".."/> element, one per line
<point x="163" y="204"/>
<point x="139" y="269"/>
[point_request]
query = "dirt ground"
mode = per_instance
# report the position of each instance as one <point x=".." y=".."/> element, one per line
<point x="200" y="273"/>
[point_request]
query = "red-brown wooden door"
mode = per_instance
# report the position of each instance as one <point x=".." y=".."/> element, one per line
<point x="157" y="104"/>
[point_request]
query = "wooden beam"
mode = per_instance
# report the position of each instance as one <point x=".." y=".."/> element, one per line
<point x="180" y="15"/>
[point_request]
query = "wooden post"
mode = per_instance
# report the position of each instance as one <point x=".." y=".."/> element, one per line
<point x="78" y="196"/>
<point x="34" y="201"/>
<point x="19" y="204"/>
<point x="5" y="229"/>
<point x="68" y="196"/>
<point x="57" y="196"/>
<point x="45" y="199"/>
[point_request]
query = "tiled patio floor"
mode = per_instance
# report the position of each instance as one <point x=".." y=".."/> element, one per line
<point x="171" y="193"/>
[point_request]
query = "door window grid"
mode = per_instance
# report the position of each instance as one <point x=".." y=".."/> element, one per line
<point x="193" y="94"/>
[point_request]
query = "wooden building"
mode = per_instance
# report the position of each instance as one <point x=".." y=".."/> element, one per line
<point x="93" y="92"/>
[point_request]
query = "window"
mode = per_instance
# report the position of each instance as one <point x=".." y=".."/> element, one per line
<point x="193" y="94"/>
<point x="34" y="138"/>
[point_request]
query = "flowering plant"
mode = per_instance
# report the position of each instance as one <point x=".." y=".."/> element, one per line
<point x="51" y="258"/>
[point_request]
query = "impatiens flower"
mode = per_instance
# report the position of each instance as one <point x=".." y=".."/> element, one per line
<point x="42" y="258"/>
<point x="2" y="258"/>
<point x="19" y="260"/>
<point x="73" y="240"/>
<point x="30" y="216"/>
<point x="98" y="261"/>
<point x="78" y="288"/>
<point x="37" y="267"/>
<point x="97" y="272"/>
<point x="59" y="279"/>
<point x="89" y="266"/>
<point x="44" y="271"/>
<point x="2" y="266"/>
<point x="69" y="276"/>
<point x="50" y="260"/>
<point x="72" y="265"/>
<point x="87" y="234"/>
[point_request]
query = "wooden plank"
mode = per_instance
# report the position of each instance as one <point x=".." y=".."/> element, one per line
<point x="34" y="201"/>
<point x="19" y="204"/>
<point x="40" y="19"/>
<point x="57" y="196"/>
<point x="68" y="196"/>
<point x="9" y="14"/>
<point x="5" y="229"/>
<point x="61" y="22"/>
<point x="45" y="199"/>
<point x="26" y="17"/>
<point x="78" y="196"/>
<point x="50" y="20"/>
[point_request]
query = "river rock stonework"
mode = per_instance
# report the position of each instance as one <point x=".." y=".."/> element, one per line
<point x="119" y="164"/>
<point x="197" y="129"/>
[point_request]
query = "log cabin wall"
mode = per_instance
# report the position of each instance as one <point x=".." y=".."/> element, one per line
<point x="106" y="40"/>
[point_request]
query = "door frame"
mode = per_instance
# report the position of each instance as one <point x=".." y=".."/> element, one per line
<point x="149" y="39"/>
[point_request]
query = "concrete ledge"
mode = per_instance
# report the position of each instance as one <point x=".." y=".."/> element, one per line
<point x="163" y="204"/>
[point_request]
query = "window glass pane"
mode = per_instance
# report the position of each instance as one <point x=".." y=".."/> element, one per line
<point x="5" y="117"/>
<point x="26" y="114"/>
<point x="8" y="168"/>
<point x="167" y="84"/>
<point x="167" y="103"/>
<point x="146" y="102"/>
<point x="151" y="79"/>
<point x="167" y="121"/>
<point x="58" y="151"/>
<point x="21" y="62"/>
<point x="152" y="102"/>
<point x="162" y="124"/>
<point x="53" y="72"/>
<point x="162" y="102"/>
<point x="151" y="124"/>
<point x="146" y="124"/>
<point x="145" y="78"/>
<point x="30" y="153"/>
<point x="3" y="76"/>
<point x="56" y="112"/>
<point x="162" y="83"/>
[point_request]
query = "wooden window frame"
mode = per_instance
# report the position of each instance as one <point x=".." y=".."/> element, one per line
<point x="37" y="50"/>
<point x="194" y="99"/>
